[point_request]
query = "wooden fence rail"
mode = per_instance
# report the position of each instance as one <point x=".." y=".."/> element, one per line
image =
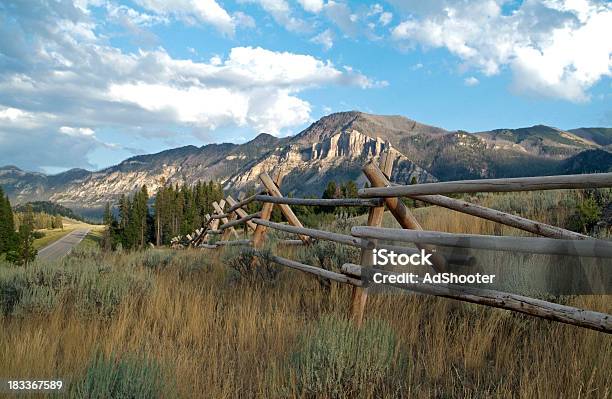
<point x="319" y="201"/>
<point x="383" y="193"/>
<point x="534" y="245"/>
<point x="518" y="303"/>
<point x="593" y="180"/>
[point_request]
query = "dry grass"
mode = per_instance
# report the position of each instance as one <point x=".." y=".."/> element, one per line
<point x="216" y="336"/>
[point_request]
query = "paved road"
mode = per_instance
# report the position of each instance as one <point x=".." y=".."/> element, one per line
<point x="62" y="246"/>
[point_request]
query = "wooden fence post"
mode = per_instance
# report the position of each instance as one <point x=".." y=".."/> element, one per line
<point x="274" y="191"/>
<point x="375" y="218"/>
<point x="403" y="215"/>
<point x="219" y="208"/>
<point x="241" y="213"/>
<point x="266" y="213"/>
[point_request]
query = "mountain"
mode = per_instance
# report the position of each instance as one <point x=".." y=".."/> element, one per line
<point x="590" y="161"/>
<point x="599" y="135"/>
<point x="334" y="147"/>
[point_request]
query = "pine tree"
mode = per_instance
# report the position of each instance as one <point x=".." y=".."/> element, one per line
<point x="330" y="190"/>
<point x="8" y="237"/>
<point x="25" y="252"/>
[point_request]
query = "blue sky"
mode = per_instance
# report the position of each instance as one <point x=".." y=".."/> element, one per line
<point x="90" y="83"/>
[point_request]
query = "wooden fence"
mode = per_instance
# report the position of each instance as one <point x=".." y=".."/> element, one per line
<point x="382" y="194"/>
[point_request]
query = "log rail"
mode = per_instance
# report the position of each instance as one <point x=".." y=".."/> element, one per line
<point x="384" y="194"/>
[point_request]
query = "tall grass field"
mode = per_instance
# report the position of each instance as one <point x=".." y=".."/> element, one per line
<point x="164" y="323"/>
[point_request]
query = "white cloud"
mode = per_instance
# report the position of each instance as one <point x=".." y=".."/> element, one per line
<point x="192" y="11"/>
<point x="231" y="91"/>
<point x="129" y="15"/>
<point x="470" y="81"/>
<point x="325" y="39"/>
<point x="555" y="48"/>
<point x="282" y="14"/>
<point x="64" y="84"/>
<point x="385" y="18"/>
<point x="314" y="6"/>
<point x="244" y="20"/>
<point x="76" y="131"/>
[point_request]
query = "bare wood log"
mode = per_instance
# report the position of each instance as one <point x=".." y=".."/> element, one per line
<point x="220" y="216"/>
<point x="246" y="201"/>
<point x="274" y="191"/>
<point x="207" y="246"/>
<point x="266" y="213"/>
<point x="243" y="220"/>
<point x="240" y="212"/>
<point x="320" y="201"/>
<point x="321" y="234"/>
<point x="233" y="242"/>
<point x="592" y="180"/>
<point x="290" y="242"/>
<point x="338" y="277"/>
<point x="401" y="213"/>
<point x="517" y="303"/>
<point x="454" y="259"/>
<point x="219" y="209"/>
<point x="534" y="245"/>
<point x="375" y="218"/>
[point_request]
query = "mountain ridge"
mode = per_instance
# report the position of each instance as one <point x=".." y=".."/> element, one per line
<point x="334" y="147"/>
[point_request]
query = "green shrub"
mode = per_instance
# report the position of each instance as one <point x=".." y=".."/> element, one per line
<point x="11" y="289"/>
<point x="157" y="260"/>
<point x="241" y="262"/>
<point x="38" y="234"/>
<point x="337" y="360"/>
<point x="120" y="377"/>
<point x="91" y="286"/>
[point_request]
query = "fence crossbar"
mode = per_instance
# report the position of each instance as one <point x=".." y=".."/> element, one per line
<point x="338" y="277"/>
<point x="534" y="245"/>
<point x="320" y="201"/>
<point x="320" y="234"/>
<point x="518" y="303"/>
<point x="592" y="180"/>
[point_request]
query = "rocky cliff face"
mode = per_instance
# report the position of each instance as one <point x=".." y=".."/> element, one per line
<point x="335" y="147"/>
<point x="321" y="161"/>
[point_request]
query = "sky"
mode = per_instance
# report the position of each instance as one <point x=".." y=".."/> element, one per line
<point x="89" y="83"/>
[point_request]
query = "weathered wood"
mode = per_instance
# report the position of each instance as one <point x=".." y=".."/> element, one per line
<point x="240" y="204"/>
<point x="375" y="217"/>
<point x="401" y="213"/>
<point x="593" y="180"/>
<point x="323" y="235"/>
<point x="454" y="259"/>
<point x="240" y="212"/>
<point x="534" y="245"/>
<point x="290" y="242"/>
<point x="207" y="246"/>
<point x="517" y="303"/>
<point x="220" y="216"/>
<point x="285" y="209"/>
<point x="243" y="220"/>
<point x="266" y="213"/>
<point x="338" y="277"/>
<point x="320" y="201"/>
<point x="233" y="242"/>
<point x="219" y="209"/>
